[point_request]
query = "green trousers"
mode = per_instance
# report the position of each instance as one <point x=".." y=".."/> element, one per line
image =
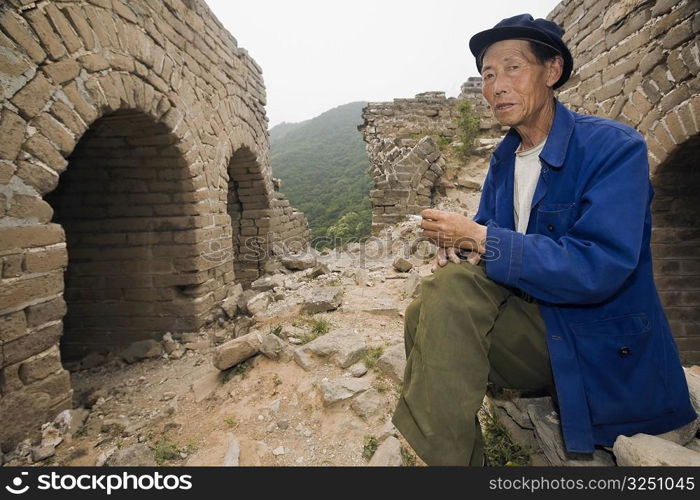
<point x="463" y="331"/>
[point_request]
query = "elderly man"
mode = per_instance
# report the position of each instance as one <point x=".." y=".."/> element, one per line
<point x="550" y="287"/>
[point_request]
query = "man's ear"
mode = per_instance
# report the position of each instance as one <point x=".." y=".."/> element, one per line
<point x="555" y="68"/>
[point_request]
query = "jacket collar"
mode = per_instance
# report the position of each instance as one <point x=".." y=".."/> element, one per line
<point x="554" y="151"/>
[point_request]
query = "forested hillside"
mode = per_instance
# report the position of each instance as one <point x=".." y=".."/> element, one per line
<point x="324" y="170"/>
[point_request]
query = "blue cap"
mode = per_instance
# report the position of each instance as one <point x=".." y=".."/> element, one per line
<point x="524" y="27"/>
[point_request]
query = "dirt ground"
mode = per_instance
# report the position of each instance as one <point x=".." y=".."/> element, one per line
<point x="188" y="412"/>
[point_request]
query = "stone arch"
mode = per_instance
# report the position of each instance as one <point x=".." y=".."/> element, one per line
<point x="126" y="203"/>
<point x="676" y="245"/>
<point x="70" y="69"/>
<point x="248" y="205"/>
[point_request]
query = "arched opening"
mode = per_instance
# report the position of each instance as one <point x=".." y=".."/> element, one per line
<point x="127" y="205"/>
<point x="249" y="208"/>
<point x="676" y="245"/>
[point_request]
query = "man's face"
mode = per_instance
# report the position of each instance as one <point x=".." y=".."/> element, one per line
<point x="515" y="84"/>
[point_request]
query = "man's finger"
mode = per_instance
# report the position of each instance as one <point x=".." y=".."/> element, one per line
<point x="431" y="213"/>
<point x="452" y="255"/>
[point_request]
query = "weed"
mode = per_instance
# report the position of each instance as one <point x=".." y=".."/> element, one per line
<point x="468" y="126"/>
<point x="241" y="369"/>
<point x="371" y="356"/>
<point x="407" y="458"/>
<point x="276" y="330"/>
<point x="369" y="447"/>
<point x="231" y="421"/>
<point x="498" y="444"/>
<point x="320" y="326"/>
<point x="165" y="450"/>
<point x="276" y="380"/>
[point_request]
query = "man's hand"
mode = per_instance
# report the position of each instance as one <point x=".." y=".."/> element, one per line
<point x="449" y="229"/>
<point x="449" y="254"/>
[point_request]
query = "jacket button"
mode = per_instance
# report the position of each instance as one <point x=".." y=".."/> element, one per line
<point x="624" y="351"/>
<point x="550" y="227"/>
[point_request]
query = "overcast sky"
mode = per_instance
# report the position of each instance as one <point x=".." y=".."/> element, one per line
<point x="316" y="55"/>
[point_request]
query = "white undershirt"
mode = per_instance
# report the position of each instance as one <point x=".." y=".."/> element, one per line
<point x="527" y="172"/>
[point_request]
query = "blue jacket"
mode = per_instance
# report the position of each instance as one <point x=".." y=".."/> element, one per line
<point x="586" y="258"/>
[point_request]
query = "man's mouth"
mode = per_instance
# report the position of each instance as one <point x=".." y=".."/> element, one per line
<point x="504" y="106"/>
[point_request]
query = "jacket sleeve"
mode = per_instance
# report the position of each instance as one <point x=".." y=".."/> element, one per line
<point x="602" y="246"/>
<point x="486" y="213"/>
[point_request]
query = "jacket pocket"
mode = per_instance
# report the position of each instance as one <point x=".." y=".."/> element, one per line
<point x="554" y="219"/>
<point x="622" y="370"/>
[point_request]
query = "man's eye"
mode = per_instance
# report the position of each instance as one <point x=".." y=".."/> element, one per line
<point x="513" y="67"/>
<point x="488" y="76"/>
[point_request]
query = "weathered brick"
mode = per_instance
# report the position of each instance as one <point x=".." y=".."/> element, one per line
<point x="63" y="27"/>
<point x="691" y="57"/>
<point x="678" y="34"/>
<point x="41" y="148"/>
<point x="49" y="259"/>
<point x="610" y="89"/>
<point x="18" y="30"/>
<point x="84" y="109"/>
<point x="9" y="379"/>
<point x="45" y="312"/>
<point x="55" y="132"/>
<point x="77" y="18"/>
<point x="30" y="208"/>
<point x="629" y="26"/>
<point x="677" y="66"/>
<point x="663" y="137"/>
<point x="41" y="178"/>
<point x="12" y="325"/>
<point x="661" y="78"/>
<point x="12" y="128"/>
<point x="93" y="62"/>
<point x="651" y="59"/>
<point x="40" y="366"/>
<point x="28" y="345"/>
<point x="30" y="236"/>
<point x="624" y="67"/>
<point x="631" y="44"/>
<point x="12" y="265"/>
<point x="66" y="115"/>
<point x="674" y="98"/>
<point x="32" y="98"/>
<point x="677" y="131"/>
<point x="23" y="291"/>
<point x="62" y="71"/>
<point x="686" y="117"/>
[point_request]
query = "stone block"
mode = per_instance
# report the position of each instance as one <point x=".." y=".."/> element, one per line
<point x="12" y="128"/>
<point x="32" y="98"/>
<point x="18" y="30"/>
<point x="62" y="71"/>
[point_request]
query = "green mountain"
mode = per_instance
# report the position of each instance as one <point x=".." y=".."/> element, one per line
<point x="325" y="172"/>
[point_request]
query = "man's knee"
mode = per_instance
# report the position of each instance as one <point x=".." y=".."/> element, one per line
<point x="445" y="277"/>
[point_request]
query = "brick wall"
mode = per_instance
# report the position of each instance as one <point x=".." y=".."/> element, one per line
<point x="134" y="163"/>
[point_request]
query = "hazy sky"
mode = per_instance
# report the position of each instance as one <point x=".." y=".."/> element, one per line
<point x="316" y="55"/>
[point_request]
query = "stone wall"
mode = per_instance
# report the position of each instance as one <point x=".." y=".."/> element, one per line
<point x="638" y="62"/>
<point x="135" y="184"/>
<point x="407" y="164"/>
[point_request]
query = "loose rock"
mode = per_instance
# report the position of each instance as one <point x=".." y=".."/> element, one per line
<point x="334" y="391"/>
<point x="322" y="299"/>
<point x="651" y="451"/>
<point x="388" y="454"/>
<point x="393" y="362"/>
